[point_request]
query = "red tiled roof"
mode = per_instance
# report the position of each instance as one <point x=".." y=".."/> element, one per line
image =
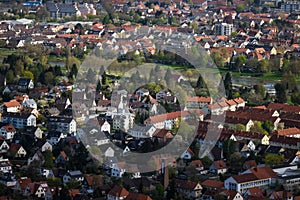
<point x="198" y="99"/>
<point x="183" y="184"/>
<point x="12" y="103"/>
<point x="212" y="184"/>
<point x="220" y="164"/>
<point x="172" y="115"/>
<point x="136" y="196"/>
<point x="284" y="107"/>
<point x="9" y="128"/>
<point x="244" y="178"/>
<point x="118" y="191"/>
<point x="263" y="172"/>
<point x="288" y="132"/>
<point x="23" y="182"/>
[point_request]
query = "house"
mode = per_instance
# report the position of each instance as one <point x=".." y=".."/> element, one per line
<point x="231" y="195"/>
<point x="187" y="154"/>
<point x="22" y="184"/>
<point x="137" y="196"/>
<point x="5" y="166"/>
<point x="161" y="94"/>
<point x="12" y="106"/>
<point x="197" y="102"/>
<point x="30" y="103"/>
<point x="289" y="132"/>
<point x="118" y="169"/>
<point x="19" y="120"/>
<point x="54" y="137"/>
<point x="16" y="150"/>
<point x="254" y="193"/>
<point x="62" y="158"/>
<point x="214" y="185"/>
<point x="104" y="125"/>
<point x="117" y="193"/>
<point x="47" y="173"/>
<point x="25" y="84"/>
<point x="162" y="136"/>
<point x="188" y="189"/>
<point x="37" y="157"/>
<point x="36" y="132"/>
<point x="3" y="146"/>
<point x="142" y="131"/>
<point x="218" y="167"/>
<point x="142" y="92"/>
<point x="7" y="132"/>
<point x="281" y="195"/>
<point x="36" y="189"/>
<point x="254" y="177"/>
<point x="46" y="146"/>
<point x="249" y="164"/>
<point x="93" y="181"/>
<point x="285" y="142"/>
<point x="73" y="175"/>
<point x="62" y="124"/>
<point x="290" y="180"/>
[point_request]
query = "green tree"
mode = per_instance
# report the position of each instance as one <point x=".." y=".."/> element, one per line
<point x="10" y="76"/>
<point x="274" y="159"/>
<point x="239" y="62"/>
<point x="280" y="93"/>
<point x="240" y="127"/>
<point x="240" y="8"/>
<point x="268" y="126"/>
<point x="228" y="85"/>
<point x="295" y="98"/>
<point x="260" y="89"/>
<point x="19" y="67"/>
<point x="48" y="159"/>
<point x="48" y="78"/>
<point x="229" y="147"/>
<point x="257" y="128"/>
<point x="28" y="74"/>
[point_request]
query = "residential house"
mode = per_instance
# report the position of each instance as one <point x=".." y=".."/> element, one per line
<point x="281" y="195"/>
<point x="19" y="120"/>
<point x="16" y="150"/>
<point x="37" y="157"/>
<point x="254" y="177"/>
<point x="25" y="84"/>
<point x="137" y="196"/>
<point x="12" y="106"/>
<point x="142" y="131"/>
<point x="187" y="154"/>
<point x="197" y="102"/>
<point x="54" y="137"/>
<point x="5" y="166"/>
<point x="73" y="175"/>
<point x="218" y="167"/>
<point x="188" y="189"/>
<point x="117" y="193"/>
<point x="62" y="158"/>
<point x="285" y="142"/>
<point x="22" y="184"/>
<point x="231" y="195"/>
<point x="3" y="146"/>
<point x="104" y="125"/>
<point x="36" y="189"/>
<point x="93" y="181"/>
<point x="289" y="132"/>
<point x="45" y="146"/>
<point x="62" y="124"/>
<point x="290" y="180"/>
<point x="7" y="132"/>
<point x="118" y="169"/>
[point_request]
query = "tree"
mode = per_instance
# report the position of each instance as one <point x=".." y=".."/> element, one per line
<point x="280" y="93"/>
<point x="295" y="98"/>
<point x="48" y="78"/>
<point x="200" y="82"/>
<point x="239" y="62"/>
<point x="206" y="162"/>
<point x="236" y="161"/>
<point x="268" y="126"/>
<point x="228" y="85"/>
<point x="10" y="76"/>
<point x="274" y="159"/>
<point x="48" y="159"/>
<point x="240" y="127"/>
<point x="240" y="8"/>
<point x="19" y="67"/>
<point x="104" y="79"/>
<point x="28" y="74"/>
<point x="263" y="66"/>
<point x="257" y="128"/>
<point x="260" y="89"/>
<point x="229" y="147"/>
